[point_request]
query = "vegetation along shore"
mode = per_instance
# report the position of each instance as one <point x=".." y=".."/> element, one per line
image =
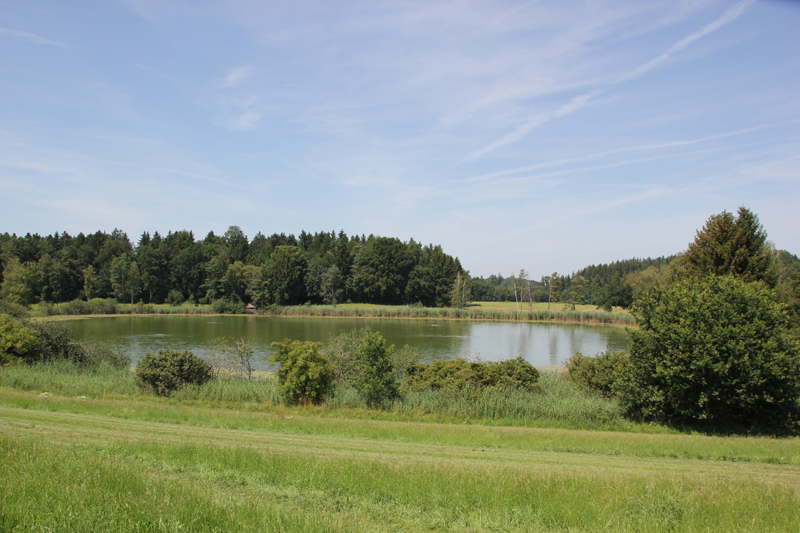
<point x="695" y="427"/>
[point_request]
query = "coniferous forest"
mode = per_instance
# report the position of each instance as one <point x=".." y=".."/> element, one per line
<point x="174" y="268"/>
<point x="231" y="270"/>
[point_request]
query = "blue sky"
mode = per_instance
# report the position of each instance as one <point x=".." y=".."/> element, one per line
<point x="537" y="135"/>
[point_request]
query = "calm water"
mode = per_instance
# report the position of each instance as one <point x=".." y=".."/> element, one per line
<point x="540" y="344"/>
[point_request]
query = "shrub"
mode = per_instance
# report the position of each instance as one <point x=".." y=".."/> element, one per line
<point x="12" y="309"/>
<point x="174" y="297"/>
<point x="343" y="349"/>
<point x="75" y="307"/>
<point x="375" y="380"/>
<point x="225" y="306"/>
<point x="98" y="354"/>
<point x="100" y="306"/>
<point x="170" y="370"/>
<point x="16" y="341"/>
<point x="305" y="375"/>
<point x="714" y="353"/>
<point x="458" y="374"/>
<point x="238" y="354"/>
<point x="54" y="342"/>
<point x="600" y="373"/>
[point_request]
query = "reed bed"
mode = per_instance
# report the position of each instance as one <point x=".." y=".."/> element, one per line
<point x="99" y="306"/>
<point x="582" y="317"/>
<point x="111" y="307"/>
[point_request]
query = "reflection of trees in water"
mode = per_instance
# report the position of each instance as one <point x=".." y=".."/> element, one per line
<point x="553" y="335"/>
<point x="539" y="344"/>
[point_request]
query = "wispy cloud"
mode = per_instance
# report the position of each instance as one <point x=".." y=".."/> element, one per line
<point x="582" y="100"/>
<point x="239" y="106"/>
<point x="729" y="16"/>
<point x="638" y="148"/>
<point x="31" y="37"/>
<point x="523" y="130"/>
<point x="237" y="76"/>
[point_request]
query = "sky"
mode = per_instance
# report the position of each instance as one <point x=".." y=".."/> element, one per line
<point x="517" y="134"/>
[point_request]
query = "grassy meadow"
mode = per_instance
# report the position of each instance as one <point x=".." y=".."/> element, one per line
<point x="91" y="452"/>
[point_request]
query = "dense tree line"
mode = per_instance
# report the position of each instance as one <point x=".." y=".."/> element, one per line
<point x="717" y="345"/>
<point x="323" y="267"/>
<point x="604" y="285"/>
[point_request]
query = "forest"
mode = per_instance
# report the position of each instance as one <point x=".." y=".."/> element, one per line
<point x="175" y="268"/>
<point x="230" y="270"/>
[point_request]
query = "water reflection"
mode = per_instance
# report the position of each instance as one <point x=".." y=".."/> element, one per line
<point x="540" y="344"/>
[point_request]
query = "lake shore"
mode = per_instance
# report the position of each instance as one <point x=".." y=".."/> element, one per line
<point x="480" y="311"/>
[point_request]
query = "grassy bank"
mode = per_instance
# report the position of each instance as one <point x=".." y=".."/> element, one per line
<point x="472" y="313"/>
<point x="148" y="464"/>
<point x="500" y="311"/>
<point x="558" y="403"/>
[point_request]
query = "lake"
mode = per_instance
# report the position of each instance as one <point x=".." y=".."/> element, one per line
<point x="538" y="343"/>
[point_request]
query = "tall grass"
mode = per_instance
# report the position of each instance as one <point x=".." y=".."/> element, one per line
<point x="587" y="317"/>
<point x="231" y="392"/>
<point x="99" y="306"/>
<point x="68" y="379"/>
<point x="109" y="306"/>
<point x="557" y="403"/>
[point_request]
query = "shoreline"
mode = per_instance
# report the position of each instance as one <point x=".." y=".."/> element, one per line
<point x="588" y="318"/>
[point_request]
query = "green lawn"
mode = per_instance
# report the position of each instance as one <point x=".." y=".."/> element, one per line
<point x="131" y="462"/>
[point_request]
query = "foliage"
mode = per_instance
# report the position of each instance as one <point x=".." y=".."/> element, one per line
<point x="227" y="306"/>
<point x="174" y="297"/>
<point x="459" y="374"/>
<point x="607" y="285"/>
<point x="330" y="288"/>
<point x="714" y="353"/>
<point x="731" y="246"/>
<point x="54" y="342"/>
<point x="375" y="379"/>
<point x="461" y="292"/>
<point x="97" y="355"/>
<point x="170" y="370"/>
<point x="600" y="373"/>
<point x="16" y="341"/>
<point x="12" y="309"/>
<point x="284" y="275"/>
<point x="343" y="350"/>
<point x="20" y="282"/>
<point x="239" y="352"/>
<point x="305" y="375"/>
<point x="381" y="270"/>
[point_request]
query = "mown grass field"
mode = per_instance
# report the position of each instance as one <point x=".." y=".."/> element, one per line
<point x="115" y="459"/>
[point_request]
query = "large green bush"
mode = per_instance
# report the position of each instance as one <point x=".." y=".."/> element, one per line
<point x="16" y="341"/>
<point x="305" y="375"/>
<point x="456" y="375"/>
<point x="714" y="353"/>
<point x="227" y="306"/>
<point x="43" y="342"/>
<point x="375" y="380"/>
<point x="170" y="370"/>
<point x="600" y="373"/>
<point x="12" y="309"/>
<point x="54" y="342"/>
